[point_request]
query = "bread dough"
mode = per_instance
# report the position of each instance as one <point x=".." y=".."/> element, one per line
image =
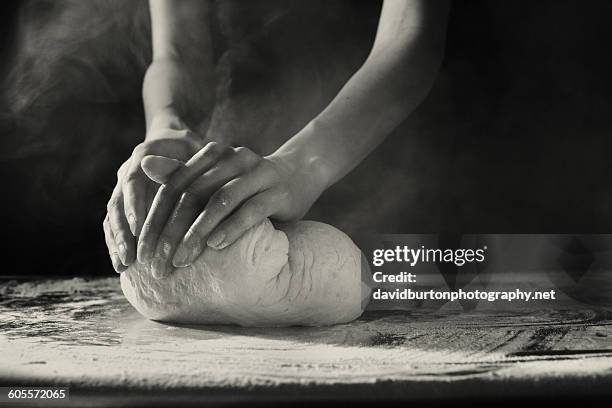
<point x="305" y="273"/>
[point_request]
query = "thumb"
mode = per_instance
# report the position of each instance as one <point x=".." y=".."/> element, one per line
<point x="160" y="168"/>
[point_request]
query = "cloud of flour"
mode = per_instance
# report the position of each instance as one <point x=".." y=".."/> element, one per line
<point x="70" y="109"/>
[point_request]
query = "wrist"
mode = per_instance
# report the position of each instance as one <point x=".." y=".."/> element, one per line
<point x="306" y="161"/>
<point x="177" y="93"/>
<point x="165" y="125"/>
<point x="167" y="118"/>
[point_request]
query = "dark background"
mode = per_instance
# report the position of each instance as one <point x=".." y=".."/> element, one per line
<point x="514" y="137"/>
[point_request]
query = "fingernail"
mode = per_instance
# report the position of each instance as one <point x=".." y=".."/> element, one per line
<point x="216" y="240"/>
<point x="164" y="249"/>
<point x="160" y="260"/>
<point x="142" y="253"/>
<point x="117" y="265"/>
<point x="122" y="253"/>
<point x="158" y="268"/>
<point x="180" y="257"/>
<point x="132" y="223"/>
<point x="186" y="253"/>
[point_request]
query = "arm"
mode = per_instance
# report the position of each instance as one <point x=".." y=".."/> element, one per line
<point x="179" y="83"/>
<point x="178" y="91"/>
<point x="392" y="82"/>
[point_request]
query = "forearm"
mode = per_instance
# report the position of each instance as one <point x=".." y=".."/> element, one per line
<point x="178" y="88"/>
<point x="392" y="82"/>
<point x="366" y="110"/>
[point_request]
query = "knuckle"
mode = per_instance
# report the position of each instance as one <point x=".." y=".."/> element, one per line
<point x="245" y="220"/>
<point x="107" y="237"/>
<point x="165" y="240"/>
<point x="122" y="236"/>
<point x="247" y="157"/>
<point x="184" y="147"/>
<point x="226" y="155"/>
<point x="194" y="237"/>
<point x="130" y="178"/>
<point x="168" y="189"/>
<point x="174" y="222"/>
<point x="123" y="169"/>
<point x="140" y="149"/>
<point x="243" y="151"/>
<point x="148" y="147"/>
<point x="112" y="203"/>
<point x="222" y="198"/>
<point x="118" y="230"/>
<point x="267" y="167"/>
<point x="255" y="209"/>
<point x="189" y="199"/>
<point x="240" y="223"/>
<point x="184" y="133"/>
<point x="181" y="212"/>
<point x="213" y="148"/>
<point x="147" y="227"/>
<point x="191" y="140"/>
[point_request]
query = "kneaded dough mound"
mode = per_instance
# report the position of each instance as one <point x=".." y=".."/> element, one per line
<point x="306" y="273"/>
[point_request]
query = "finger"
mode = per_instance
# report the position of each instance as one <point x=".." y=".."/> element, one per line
<point x="187" y="210"/>
<point x="124" y="241"/>
<point x="201" y="162"/>
<point x="151" y="191"/>
<point x="221" y="204"/>
<point x="251" y="213"/>
<point x="115" y="197"/>
<point x="112" y="249"/>
<point x="135" y="186"/>
<point x="160" y="168"/>
<point x="108" y="236"/>
<point x="167" y="196"/>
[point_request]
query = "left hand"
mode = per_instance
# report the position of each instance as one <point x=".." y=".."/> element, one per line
<point x="134" y="191"/>
<point x="222" y="192"/>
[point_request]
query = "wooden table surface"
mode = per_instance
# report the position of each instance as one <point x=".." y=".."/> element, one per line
<point x="83" y="334"/>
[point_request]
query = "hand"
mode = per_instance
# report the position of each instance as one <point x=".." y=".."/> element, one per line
<point x="133" y="193"/>
<point x="216" y="197"/>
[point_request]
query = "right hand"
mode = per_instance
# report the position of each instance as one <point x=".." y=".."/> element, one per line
<point x="216" y="197"/>
<point x="134" y="191"/>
